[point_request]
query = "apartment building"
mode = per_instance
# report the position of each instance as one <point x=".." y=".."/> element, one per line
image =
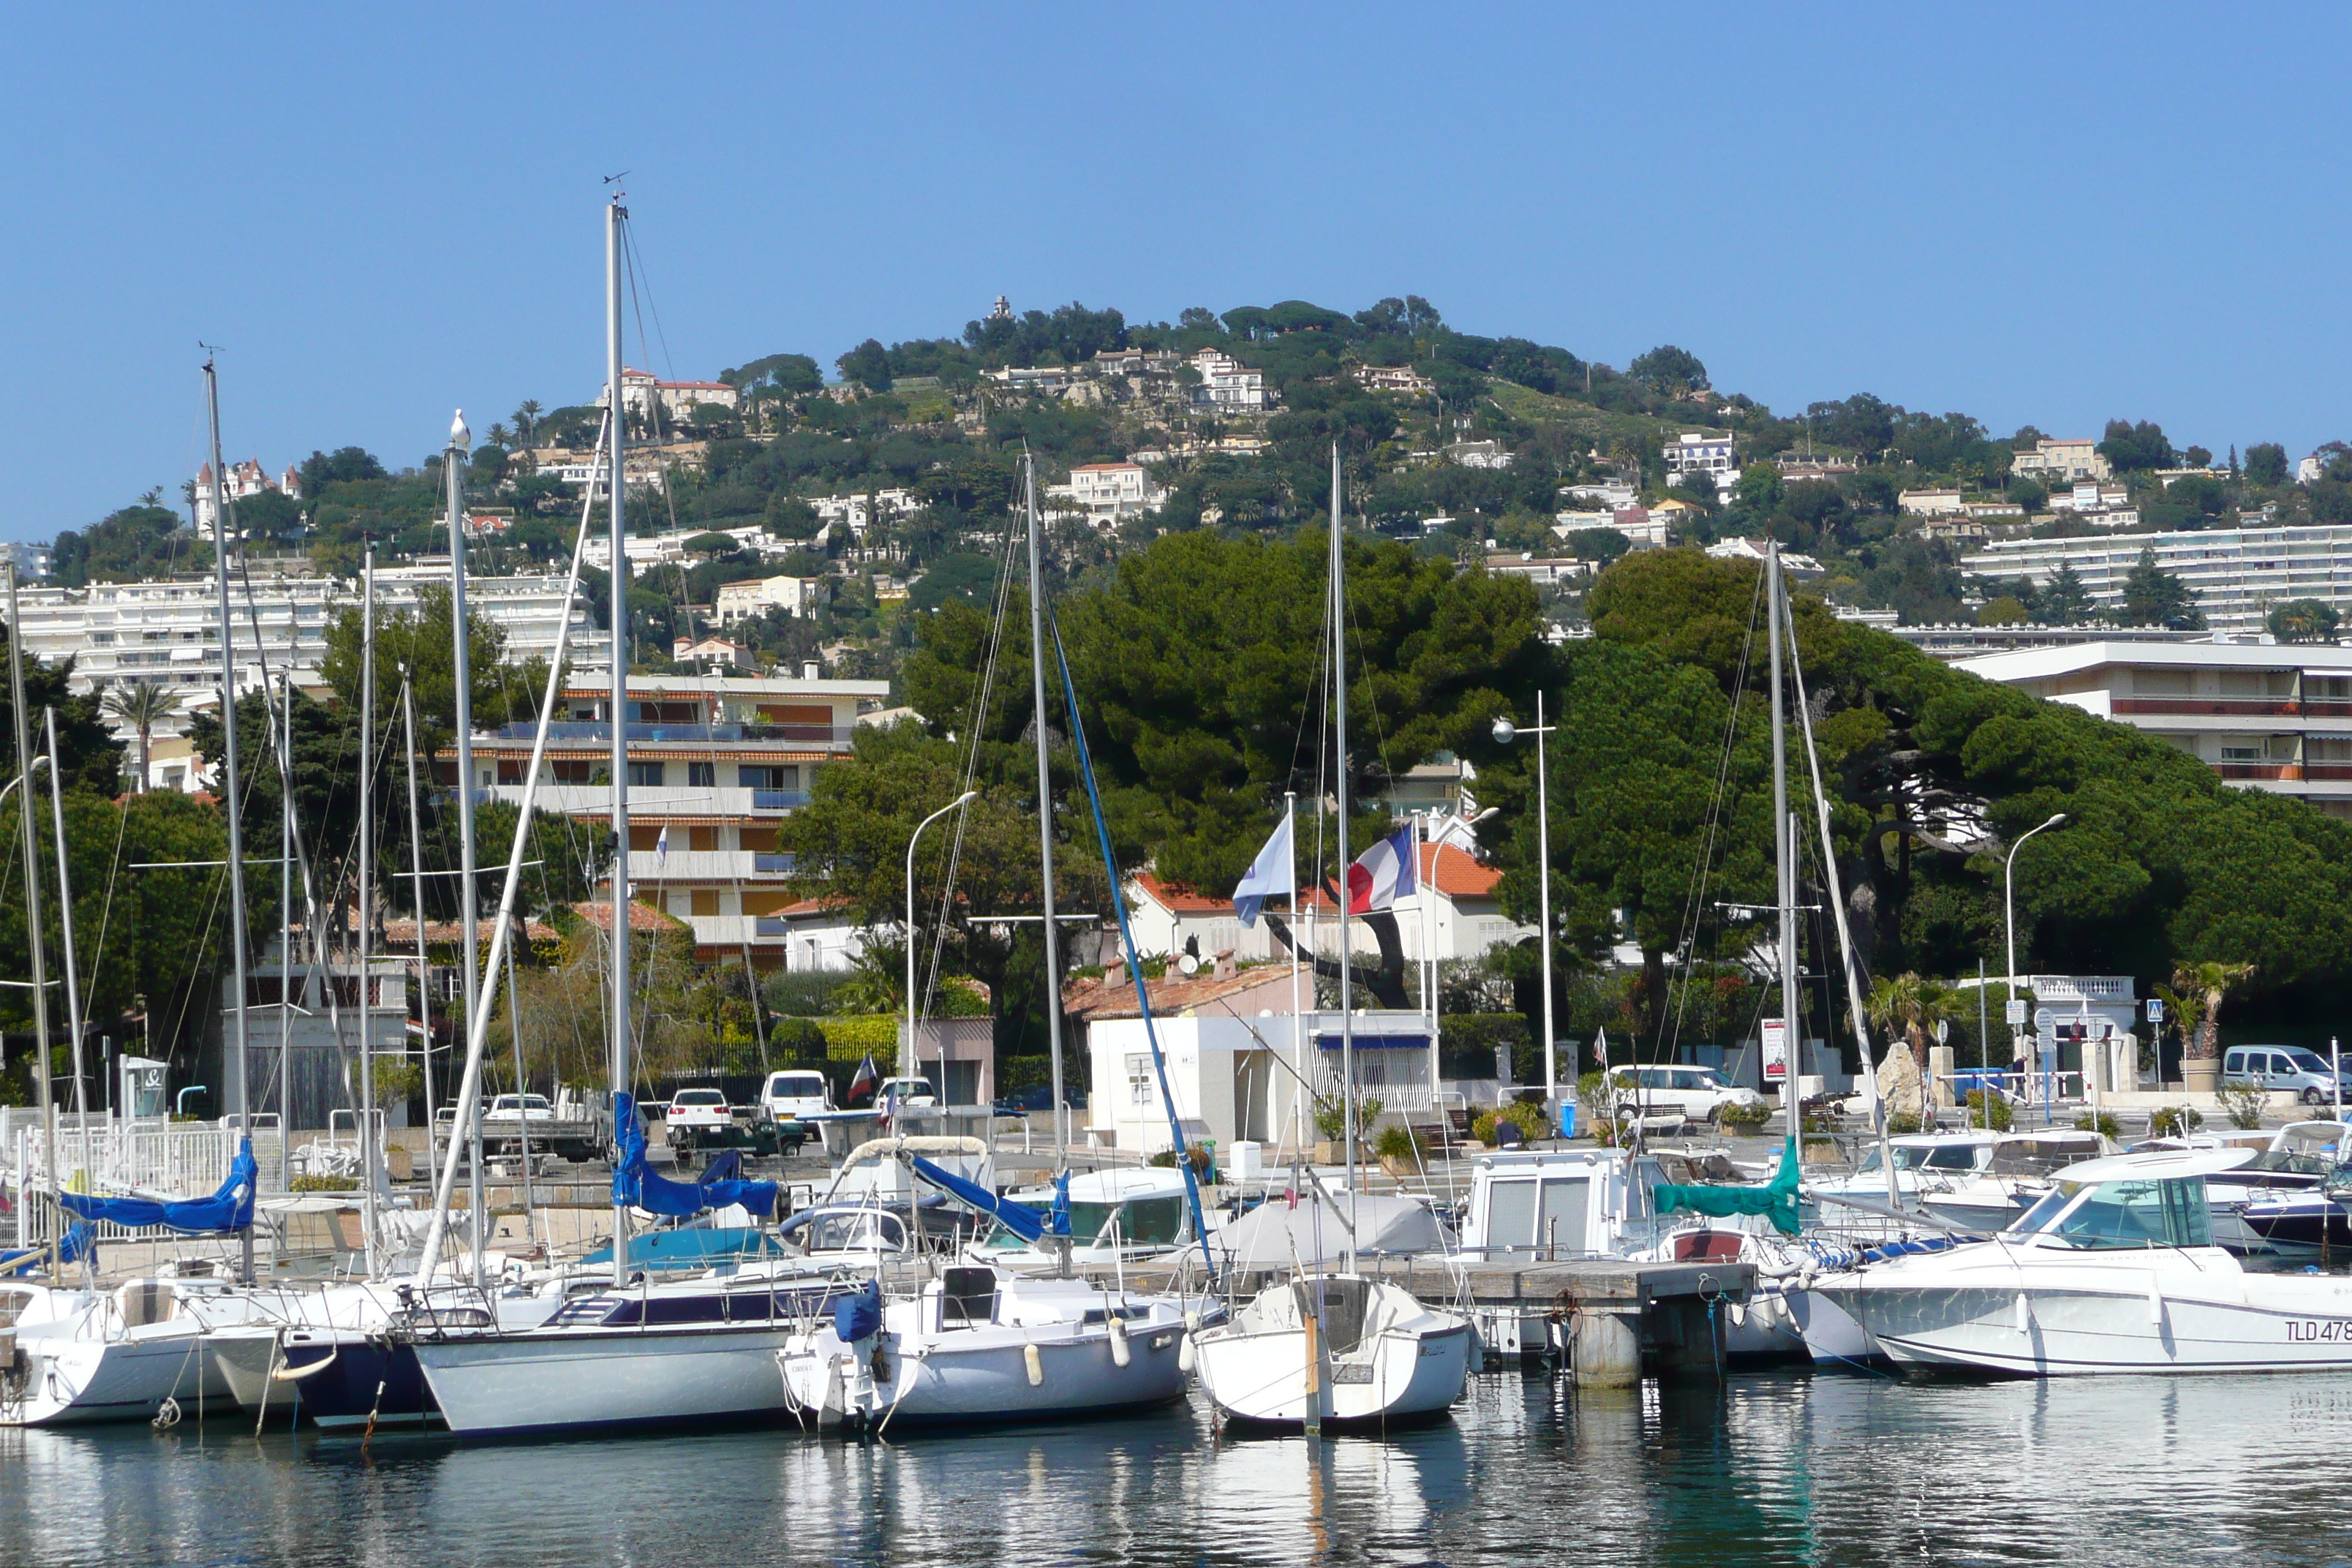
<point x="2061" y="462"/>
<point x="644" y="395"/>
<point x="1226" y="383"/>
<point x="715" y="764"/>
<point x="1698" y="452"/>
<point x="1403" y="379"/>
<point x="1109" y="491"/>
<point x="2263" y="714"/>
<point x="2235" y="574"/>
<point x="751" y="597"/>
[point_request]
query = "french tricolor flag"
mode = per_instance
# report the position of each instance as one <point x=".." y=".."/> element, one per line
<point x="1384" y="874"/>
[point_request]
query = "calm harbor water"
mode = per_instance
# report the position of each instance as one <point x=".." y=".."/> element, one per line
<point x="1770" y="1468"/>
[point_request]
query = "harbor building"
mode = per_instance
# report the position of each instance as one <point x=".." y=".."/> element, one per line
<point x="2236" y="574"/>
<point x="715" y="764"/>
<point x="2263" y="714"/>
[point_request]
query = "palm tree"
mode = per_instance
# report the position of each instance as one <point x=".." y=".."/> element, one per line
<point x="1907" y="1002"/>
<point x="498" y="434"/>
<point x="2208" y="982"/>
<point x="526" y="420"/>
<point x="142" y="707"/>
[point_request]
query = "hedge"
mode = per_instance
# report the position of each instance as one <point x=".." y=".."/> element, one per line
<point x="854" y="1036"/>
<point x="1466" y="1043"/>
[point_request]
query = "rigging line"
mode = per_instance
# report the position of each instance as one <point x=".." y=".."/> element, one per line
<point x="106" y="916"/>
<point x="1703" y="873"/>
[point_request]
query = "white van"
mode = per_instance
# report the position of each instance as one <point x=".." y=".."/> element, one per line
<point x="797" y="1093"/>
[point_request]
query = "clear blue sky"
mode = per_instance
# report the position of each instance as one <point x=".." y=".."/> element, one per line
<point x="2045" y="214"/>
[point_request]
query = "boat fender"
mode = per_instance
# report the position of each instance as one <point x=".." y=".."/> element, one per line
<point x="2024" y="1314"/>
<point x="1035" y="1364"/>
<point x="2155" y="1303"/>
<point x="1186" y="1359"/>
<point x="1119" y="1353"/>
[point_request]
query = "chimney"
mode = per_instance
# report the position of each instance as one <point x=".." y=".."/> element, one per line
<point x="1115" y="972"/>
<point x="812" y="670"/>
<point x="1226" y="967"/>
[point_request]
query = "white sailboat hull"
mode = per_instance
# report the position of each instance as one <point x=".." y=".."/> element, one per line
<point x="519" y="1385"/>
<point x="982" y="1374"/>
<point x="1264" y="1366"/>
<point x="70" y="1380"/>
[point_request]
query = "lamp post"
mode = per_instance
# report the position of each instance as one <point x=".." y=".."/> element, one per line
<point x="2008" y="931"/>
<point x="906" y="1051"/>
<point x="1505" y="733"/>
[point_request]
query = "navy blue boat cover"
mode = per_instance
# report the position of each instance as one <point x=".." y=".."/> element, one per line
<point x="855" y="1318"/>
<point x="635" y="1185"/>
<point x="1018" y="1218"/>
<point x="229" y="1209"/>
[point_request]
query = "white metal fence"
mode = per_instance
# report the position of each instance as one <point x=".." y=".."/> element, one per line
<point x="147" y="1156"/>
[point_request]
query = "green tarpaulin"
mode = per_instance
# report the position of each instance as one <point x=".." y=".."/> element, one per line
<point x="1776" y="1200"/>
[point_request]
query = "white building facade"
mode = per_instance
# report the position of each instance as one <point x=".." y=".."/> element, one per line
<point x="2061" y="462"/>
<point x="2235" y="574"/>
<point x="1699" y="452"/>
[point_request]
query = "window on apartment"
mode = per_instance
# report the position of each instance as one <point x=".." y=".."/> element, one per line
<point x="650" y="774"/>
<point x="702" y="775"/>
<point x="2241" y="753"/>
<point x="1141" y="1085"/>
<point x="2161" y="682"/>
<point x="768" y="775"/>
<point x="705" y="901"/>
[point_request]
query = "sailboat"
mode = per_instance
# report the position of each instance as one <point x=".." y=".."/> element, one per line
<point x="1336" y="1349"/>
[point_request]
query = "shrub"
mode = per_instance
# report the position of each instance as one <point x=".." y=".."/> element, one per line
<point x="853" y="1036"/>
<point x="1527" y="1117"/>
<point x="1197" y="1155"/>
<point x="1331" y="1116"/>
<point x="1902" y="1123"/>
<point x="1396" y="1143"/>
<point x="1467" y="1044"/>
<point x="1482" y="1128"/>
<point x="324" y="1185"/>
<point x="2175" y="1121"/>
<point x="2002" y="1114"/>
<point x="2103" y="1124"/>
<point x="2243" y="1101"/>
<point x="1743" y="1116"/>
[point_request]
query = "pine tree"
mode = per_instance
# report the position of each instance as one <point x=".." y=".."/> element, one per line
<point x="2066" y="601"/>
<point x="2155" y="597"/>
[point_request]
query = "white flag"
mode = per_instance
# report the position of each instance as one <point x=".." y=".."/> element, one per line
<point x="661" y="848"/>
<point x="1269" y="875"/>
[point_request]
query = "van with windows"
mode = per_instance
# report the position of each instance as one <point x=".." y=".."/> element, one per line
<point x="796" y="1092"/>
<point x="2290" y="1069"/>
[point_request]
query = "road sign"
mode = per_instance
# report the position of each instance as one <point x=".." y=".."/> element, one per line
<point x="2016" y="1012"/>
<point x="2044" y="1019"/>
<point x="2155" y="1009"/>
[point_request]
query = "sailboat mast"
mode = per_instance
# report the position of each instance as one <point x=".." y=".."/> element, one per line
<point x="614" y="214"/>
<point x="453" y="462"/>
<point x="1340" y="776"/>
<point x="233" y="797"/>
<point x="283" y="720"/>
<point x="1045" y="815"/>
<point x="416" y="898"/>
<point x="65" y="925"/>
<point x="32" y="887"/>
<point x="366" y="902"/>
<point x="1783" y="841"/>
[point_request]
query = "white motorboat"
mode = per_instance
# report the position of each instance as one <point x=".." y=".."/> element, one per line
<point x="981" y="1345"/>
<point x="2116" y="1270"/>
<point x="1119" y="1216"/>
<point x="2015" y="1173"/>
<point x="1339" y="1350"/>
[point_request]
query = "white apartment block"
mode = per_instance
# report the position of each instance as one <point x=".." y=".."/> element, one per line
<point x="1932" y="503"/>
<point x="715" y="764"/>
<point x="2235" y="574"/>
<point x="1697" y="452"/>
<point x="857" y="513"/>
<point x="2265" y="715"/>
<point x="1395" y="378"/>
<point x="168" y="633"/>
<point x="1226" y="383"/>
<point x="1108" y="491"/>
<point x="2061" y="462"/>
<point x="753" y="597"/>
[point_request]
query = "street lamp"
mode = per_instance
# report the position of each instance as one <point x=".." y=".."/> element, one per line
<point x="2009" y="928"/>
<point x="906" y="1055"/>
<point x="1505" y="733"/>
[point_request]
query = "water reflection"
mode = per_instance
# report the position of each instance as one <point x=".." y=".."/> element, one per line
<point x="1764" y="1470"/>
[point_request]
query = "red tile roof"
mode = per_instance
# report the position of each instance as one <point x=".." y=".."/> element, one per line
<point x="598" y="912"/>
<point x="1173" y="996"/>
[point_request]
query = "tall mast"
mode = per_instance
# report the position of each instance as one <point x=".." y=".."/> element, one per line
<point x="234" y="794"/>
<point x="453" y="462"/>
<point x="1784" y="847"/>
<point x="1340" y="775"/>
<point x="1045" y="812"/>
<point x="282" y="721"/>
<point x="366" y="901"/>
<point x="615" y="213"/>
<point x="65" y="925"/>
<point x="416" y="898"/>
<point x="33" y="886"/>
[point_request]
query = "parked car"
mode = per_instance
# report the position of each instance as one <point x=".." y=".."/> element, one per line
<point x="1698" y="1093"/>
<point x="697" y="1114"/>
<point x="2300" y="1072"/>
<point x="795" y="1093"/>
<point x="909" y="1091"/>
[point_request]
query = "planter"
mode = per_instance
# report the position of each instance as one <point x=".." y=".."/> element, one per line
<point x="1398" y="1168"/>
<point x="2202" y="1075"/>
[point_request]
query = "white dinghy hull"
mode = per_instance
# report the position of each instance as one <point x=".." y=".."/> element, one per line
<point x="1384" y="1359"/>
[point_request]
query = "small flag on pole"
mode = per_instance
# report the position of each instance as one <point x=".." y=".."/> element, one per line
<point x="1268" y="876"/>
<point x="661" y="848"/>
<point x="1384" y="874"/>
<point x="867" y="1077"/>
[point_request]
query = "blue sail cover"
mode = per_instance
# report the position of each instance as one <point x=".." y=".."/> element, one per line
<point x="855" y="1318"/>
<point x="635" y="1185"/>
<point x="229" y="1209"/>
<point x="1018" y="1218"/>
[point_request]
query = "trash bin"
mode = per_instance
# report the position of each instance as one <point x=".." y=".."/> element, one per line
<point x="1567" y="1119"/>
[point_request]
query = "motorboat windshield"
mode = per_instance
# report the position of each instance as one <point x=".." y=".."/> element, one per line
<point x="1956" y="1158"/>
<point x="2137" y="1212"/>
<point x="1154" y="1220"/>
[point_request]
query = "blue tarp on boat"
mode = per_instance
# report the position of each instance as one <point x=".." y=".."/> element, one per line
<point x="636" y="1185"/>
<point x="229" y="1209"/>
<point x="1018" y="1218"/>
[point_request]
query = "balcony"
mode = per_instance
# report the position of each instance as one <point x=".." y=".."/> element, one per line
<point x="831" y="736"/>
<point x="2243" y="707"/>
<point x="2249" y="772"/>
<point x="682" y="865"/>
<point x="665" y="800"/>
